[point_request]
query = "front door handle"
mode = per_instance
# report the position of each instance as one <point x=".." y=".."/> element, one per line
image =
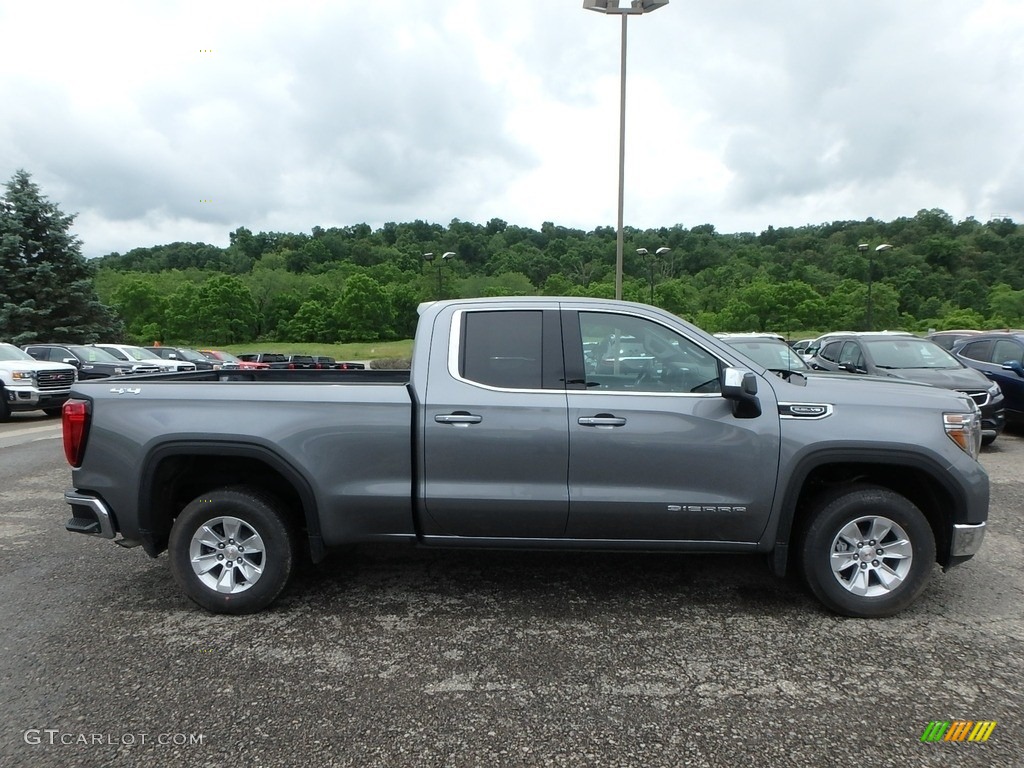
<point x="460" y="419"/>
<point x="601" y="421"/>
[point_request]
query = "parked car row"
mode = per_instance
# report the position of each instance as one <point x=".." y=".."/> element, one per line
<point x="39" y="376"/>
<point x="989" y="367"/>
<point x="296" y="362"/>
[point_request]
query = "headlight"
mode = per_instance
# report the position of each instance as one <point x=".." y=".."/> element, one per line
<point x="24" y="375"/>
<point x="964" y="429"/>
<point x="994" y="391"/>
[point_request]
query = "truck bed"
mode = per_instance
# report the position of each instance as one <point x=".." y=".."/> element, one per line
<point x="282" y="376"/>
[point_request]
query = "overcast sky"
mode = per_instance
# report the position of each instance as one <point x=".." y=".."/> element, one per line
<point x="175" y="120"/>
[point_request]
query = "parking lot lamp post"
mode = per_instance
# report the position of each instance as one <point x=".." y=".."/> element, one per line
<point x="446" y="258"/>
<point x="863" y="248"/>
<point x="429" y="258"/>
<point x="636" y="7"/>
<point x="651" y="257"/>
<point x="871" y="272"/>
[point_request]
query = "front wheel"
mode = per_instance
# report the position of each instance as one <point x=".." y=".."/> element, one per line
<point x="231" y="550"/>
<point x="867" y="552"/>
<point x="53" y="411"/>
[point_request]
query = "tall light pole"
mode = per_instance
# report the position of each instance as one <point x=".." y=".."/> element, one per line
<point x="445" y="257"/>
<point x="636" y="7"/>
<point x="650" y="257"/>
<point x="871" y="271"/>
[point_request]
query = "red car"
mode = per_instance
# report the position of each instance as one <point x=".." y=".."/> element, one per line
<point x="228" y="360"/>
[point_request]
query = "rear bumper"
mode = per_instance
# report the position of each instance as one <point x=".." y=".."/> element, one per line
<point x="90" y="516"/>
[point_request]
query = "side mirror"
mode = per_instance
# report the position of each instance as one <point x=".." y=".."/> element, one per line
<point x="72" y="361"/>
<point x="740" y="386"/>
<point x="1015" y="366"/>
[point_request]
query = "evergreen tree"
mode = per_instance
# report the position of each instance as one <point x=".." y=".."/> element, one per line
<point x="46" y="285"/>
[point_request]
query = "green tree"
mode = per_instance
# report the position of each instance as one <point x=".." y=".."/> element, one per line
<point x="364" y="311"/>
<point x="220" y="311"/>
<point x="142" y="307"/>
<point x="309" y="324"/>
<point x="46" y="285"/>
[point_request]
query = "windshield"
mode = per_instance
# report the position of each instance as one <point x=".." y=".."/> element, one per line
<point x="774" y="355"/>
<point x="93" y="354"/>
<point x="11" y="352"/>
<point x="226" y="357"/>
<point x="909" y="352"/>
<point x="138" y="353"/>
<point x="192" y="356"/>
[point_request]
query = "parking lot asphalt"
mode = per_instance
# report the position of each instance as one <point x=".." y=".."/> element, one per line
<point x="402" y="656"/>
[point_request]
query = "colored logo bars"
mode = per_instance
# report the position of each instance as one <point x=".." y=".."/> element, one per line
<point x="958" y="730"/>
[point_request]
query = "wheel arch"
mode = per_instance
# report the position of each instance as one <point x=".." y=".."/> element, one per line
<point x="175" y="473"/>
<point x="924" y="482"/>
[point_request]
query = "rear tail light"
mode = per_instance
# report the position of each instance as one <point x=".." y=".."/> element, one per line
<point x="75" y="424"/>
<point x="291" y="366"/>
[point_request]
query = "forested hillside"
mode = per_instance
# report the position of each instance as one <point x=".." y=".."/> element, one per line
<point x="358" y="283"/>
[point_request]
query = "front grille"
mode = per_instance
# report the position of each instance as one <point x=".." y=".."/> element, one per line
<point x="55" y="379"/>
<point x="186" y="368"/>
<point x="980" y="396"/>
<point x="146" y="369"/>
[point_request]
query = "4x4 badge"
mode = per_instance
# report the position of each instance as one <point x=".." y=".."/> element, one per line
<point x="126" y="390"/>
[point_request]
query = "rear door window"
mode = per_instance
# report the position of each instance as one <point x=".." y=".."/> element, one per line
<point x="1006" y="351"/>
<point x="503" y="349"/>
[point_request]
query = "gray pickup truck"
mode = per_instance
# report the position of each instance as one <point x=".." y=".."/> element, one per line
<point x="557" y="423"/>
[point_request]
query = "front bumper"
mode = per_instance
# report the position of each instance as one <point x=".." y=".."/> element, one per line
<point x="967" y="540"/>
<point x="31" y="398"/>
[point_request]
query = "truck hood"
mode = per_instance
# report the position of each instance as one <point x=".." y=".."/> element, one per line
<point x="845" y="388"/>
<point x="33" y="365"/>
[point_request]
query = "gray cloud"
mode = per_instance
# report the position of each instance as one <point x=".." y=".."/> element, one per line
<point x="740" y="114"/>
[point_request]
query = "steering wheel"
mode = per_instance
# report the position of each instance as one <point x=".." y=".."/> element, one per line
<point x="646" y="375"/>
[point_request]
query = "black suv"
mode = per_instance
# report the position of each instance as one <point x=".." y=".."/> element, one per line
<point x="913" y="359"/>
<point x="301" y="361"/>
<point x="325" y="361"/>
<point x="1000" y="356"/>
<point x="91" y="362"/>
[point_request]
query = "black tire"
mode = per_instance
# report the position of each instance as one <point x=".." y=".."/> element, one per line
<point x="988" y="440"/>
<point x="882" y="575"/>
<point x="53" y="411"/>
<point x="254" y="578"/>
<point x="5" y="411"/>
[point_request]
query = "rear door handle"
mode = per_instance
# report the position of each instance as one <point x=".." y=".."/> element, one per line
<point x="601" y="421"/>
<point x="458" y="419"/>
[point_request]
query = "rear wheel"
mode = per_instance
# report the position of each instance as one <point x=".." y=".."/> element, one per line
<point x="867" y="552"/>
<point x="232" y="550"/>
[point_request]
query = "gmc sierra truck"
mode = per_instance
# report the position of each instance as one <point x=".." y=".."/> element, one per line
<point x="27" y="384"/>
<point x="557" y="423"/>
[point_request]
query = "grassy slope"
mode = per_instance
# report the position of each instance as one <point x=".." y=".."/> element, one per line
<point x="370" y="350"/>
